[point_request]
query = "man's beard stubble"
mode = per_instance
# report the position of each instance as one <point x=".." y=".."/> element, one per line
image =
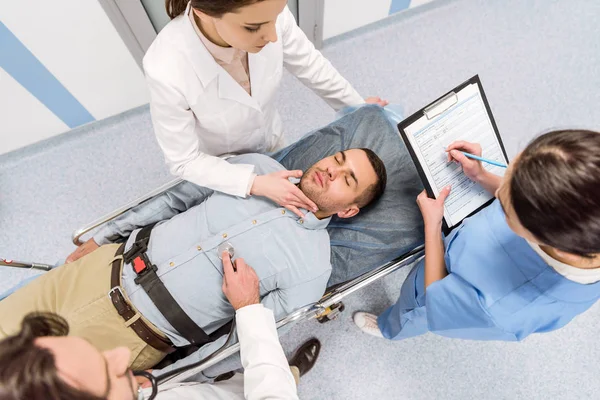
<point x="314" y="192"/>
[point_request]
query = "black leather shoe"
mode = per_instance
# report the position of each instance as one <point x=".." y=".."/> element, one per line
<point x="225" y="377"/>
<point x="306" y="356"/>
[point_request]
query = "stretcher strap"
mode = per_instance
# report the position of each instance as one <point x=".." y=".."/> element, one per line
<point x="159" y="294"/>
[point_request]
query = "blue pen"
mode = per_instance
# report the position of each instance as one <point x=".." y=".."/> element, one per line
<point x="474" y="157"/>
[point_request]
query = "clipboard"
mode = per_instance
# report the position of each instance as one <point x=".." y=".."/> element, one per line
<point x="461" y="114"/>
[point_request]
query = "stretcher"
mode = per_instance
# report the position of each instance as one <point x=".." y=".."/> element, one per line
<point x="381" y="237"/>
<point x="326" y="309"/>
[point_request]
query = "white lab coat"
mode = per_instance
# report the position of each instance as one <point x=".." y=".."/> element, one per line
<point x="266" y="371"/>
<point x="200" y="112"/>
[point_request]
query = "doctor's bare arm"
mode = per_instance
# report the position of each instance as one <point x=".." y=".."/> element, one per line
<point x="433" y="213"/>
<point x="316" y="72"/>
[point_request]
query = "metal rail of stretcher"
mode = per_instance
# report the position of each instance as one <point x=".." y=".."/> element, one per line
<point x="331" y="297"/>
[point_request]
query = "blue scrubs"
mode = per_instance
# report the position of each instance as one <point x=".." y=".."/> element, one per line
<point x="497" y="288"/>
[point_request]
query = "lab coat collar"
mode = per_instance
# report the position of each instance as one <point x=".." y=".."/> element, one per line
<point x="257" y="65"/>
<point x="207" y="69"/>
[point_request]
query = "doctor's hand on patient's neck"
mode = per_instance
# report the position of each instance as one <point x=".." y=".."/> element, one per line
<point x="240" y="283"/>
<point x="277" y="187"/>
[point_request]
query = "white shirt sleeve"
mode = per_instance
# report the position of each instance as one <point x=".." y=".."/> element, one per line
<point x="267" y="374"/>
<point x="316" y="72"/>
<point x="175" y="128"/>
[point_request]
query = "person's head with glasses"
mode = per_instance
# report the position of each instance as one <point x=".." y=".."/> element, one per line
<point x="42" y="362"/>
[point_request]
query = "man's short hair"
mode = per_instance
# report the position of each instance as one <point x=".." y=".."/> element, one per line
<point x="374" y="191"/>
<point x="28" y="371"/>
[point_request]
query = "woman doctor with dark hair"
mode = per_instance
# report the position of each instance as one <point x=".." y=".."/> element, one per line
<point x="213" y="74"/>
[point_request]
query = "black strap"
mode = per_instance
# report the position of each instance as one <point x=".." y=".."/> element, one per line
<point x="160" y="296"/>
<point x="182" y="352"/>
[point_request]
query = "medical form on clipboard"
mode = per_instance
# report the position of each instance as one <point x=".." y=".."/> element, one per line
<point x="461" y="114"/>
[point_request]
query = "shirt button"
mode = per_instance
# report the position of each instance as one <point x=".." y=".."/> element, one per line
<point x="199" y="248"/>
<point x="224" y="235"/>
<point x="172" y="264"/>
<point x="300" y="221"/>
<point x="253" y="222"/>
<point x="282" y="212"/>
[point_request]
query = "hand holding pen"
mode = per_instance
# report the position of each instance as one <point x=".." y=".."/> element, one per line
<point x="472" y="168"/>
<point x="474" y="153"/>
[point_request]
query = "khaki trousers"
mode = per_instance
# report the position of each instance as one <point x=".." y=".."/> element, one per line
<point x="79" y="293"/>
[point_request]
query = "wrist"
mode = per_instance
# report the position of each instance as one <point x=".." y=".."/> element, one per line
<point x="245" y="304"/>
<point x="481" y="176"/>
<point x="433" y="228"/>
<point x="255" y="188"/>
<point x="250" y="184"/>
<point x="248" y="308"/>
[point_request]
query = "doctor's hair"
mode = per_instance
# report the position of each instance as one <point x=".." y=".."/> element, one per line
<point x="373" y="192"/>
<point x="555" y="190"/>
<point x="28" y="371"/>
<point x="214" y="8"/>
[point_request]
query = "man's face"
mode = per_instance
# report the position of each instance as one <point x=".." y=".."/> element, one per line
<point x="85" y="368"/>
<point x="334" y="183"/>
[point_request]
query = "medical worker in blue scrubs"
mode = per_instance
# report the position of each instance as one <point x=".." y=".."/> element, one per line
<point x="528" y="263"/>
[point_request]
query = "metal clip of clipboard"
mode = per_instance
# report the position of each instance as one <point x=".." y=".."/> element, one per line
<point x="440" y="106"/>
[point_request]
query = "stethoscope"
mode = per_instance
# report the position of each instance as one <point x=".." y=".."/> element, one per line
<point x="153" y="381"/>
<point x="226" y="246"/>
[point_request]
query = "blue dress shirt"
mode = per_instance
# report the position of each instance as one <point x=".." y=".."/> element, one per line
<point x="290" y="255"/>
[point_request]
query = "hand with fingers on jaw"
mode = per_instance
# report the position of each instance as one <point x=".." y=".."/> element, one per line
<point x="472" y="168"/>
<point x="433" y="209"/>
<point x="277" y="187"/>
<point x="240" y="282"/>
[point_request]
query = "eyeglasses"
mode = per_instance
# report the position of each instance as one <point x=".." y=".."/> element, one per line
<point x="140" y="391"/>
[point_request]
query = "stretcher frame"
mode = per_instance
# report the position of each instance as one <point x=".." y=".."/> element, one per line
<point x="330" y="300"/>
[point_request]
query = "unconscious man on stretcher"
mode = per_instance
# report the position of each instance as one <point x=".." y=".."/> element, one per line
<point x="168" y="290"/>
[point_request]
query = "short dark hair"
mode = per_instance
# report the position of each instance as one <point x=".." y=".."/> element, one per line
<point x="28" y="371"/>
<point x="374" y="191"/>
<point x="555" y="190"/>
<point x="214" y="8"/>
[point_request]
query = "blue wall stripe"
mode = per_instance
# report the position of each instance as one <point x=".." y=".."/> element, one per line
<point x="398" y="5"/>
<point x="26" y="69"/>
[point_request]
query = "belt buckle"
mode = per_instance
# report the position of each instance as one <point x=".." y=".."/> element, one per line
<point x="116" y="289"/>
<point x="122" y="306"/>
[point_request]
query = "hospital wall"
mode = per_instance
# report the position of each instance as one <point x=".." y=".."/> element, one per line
<point x="341" y="16"/>
<point x="62" y="65"/>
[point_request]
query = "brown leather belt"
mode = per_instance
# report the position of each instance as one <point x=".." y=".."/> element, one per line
<point x="125" y="310"/>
